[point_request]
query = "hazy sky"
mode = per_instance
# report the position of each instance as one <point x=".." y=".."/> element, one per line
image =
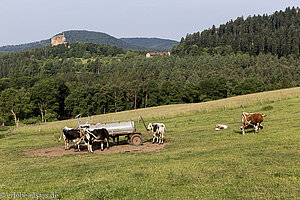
<point x="24" y="21"/>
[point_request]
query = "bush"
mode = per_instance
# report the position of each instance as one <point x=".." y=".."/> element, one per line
<point x="51" y="116"/>
<point x="33" y="120"/>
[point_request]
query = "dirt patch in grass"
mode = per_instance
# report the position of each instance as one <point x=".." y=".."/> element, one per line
<point x="123" y="148"/>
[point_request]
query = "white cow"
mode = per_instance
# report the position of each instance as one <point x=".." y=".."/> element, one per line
<point x="220" y="126"/>
<point x="158" y="130"/>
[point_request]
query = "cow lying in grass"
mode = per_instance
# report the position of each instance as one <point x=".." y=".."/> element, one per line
<point x="96" y="135"/>
<point x="71" y="134"/>
<point x="252" y="120"/>
<point x="220" y="126"/>
<point x="158" y="130"/>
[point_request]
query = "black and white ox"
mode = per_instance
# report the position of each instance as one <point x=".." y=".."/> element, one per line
<point x="158" y="130"/>
<point x="71" y="134"/>
<point x="96" y="135"/>
<point x="252" y="120"/>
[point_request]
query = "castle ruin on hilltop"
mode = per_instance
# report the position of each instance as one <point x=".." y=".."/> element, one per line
<point x="58" y="39"/>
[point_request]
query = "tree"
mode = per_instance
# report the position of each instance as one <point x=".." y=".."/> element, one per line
<point x="152" y="96"/>
<point x="248" y="86"/>
<point x="49" y="94"/>
<point x="15" y="102"/>
<point x="4" y="83"/>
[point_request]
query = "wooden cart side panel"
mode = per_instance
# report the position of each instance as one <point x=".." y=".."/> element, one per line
<point x="123" y="133"/>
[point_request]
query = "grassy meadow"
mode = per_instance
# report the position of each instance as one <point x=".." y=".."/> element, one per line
<point x="197" y="163"/>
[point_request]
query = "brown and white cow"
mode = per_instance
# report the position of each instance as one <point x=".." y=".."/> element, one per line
<point x="253" y="119"/>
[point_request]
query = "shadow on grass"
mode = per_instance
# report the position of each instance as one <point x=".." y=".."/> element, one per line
<point x="241" y="133"/>
<point x="3" y="131"/>
<point x="97" y="145"/>
<point x="2" y="135"/>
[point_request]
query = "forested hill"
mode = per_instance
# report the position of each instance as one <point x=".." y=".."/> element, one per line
<point x="76" y="36"/>
<point x="277" y="34"/>
<point x="27" y="46"/>
<point x="52" y="83"/>
<point x="152" y="43"/>
<point x="58" y="82"/>
<point x="99" y="38"/>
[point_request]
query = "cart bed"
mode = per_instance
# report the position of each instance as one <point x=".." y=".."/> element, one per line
<point x="121" y="128"/>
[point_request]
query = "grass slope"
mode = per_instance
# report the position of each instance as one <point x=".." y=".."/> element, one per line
<point x="198" y="162"/>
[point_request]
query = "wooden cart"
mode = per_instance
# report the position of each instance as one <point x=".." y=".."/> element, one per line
<point x="116" y="130"/>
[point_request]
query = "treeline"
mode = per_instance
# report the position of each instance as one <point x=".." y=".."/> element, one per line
<point x="277" y="34"/>
<point x="47" y="84"/>
<point x="47" y="60"/>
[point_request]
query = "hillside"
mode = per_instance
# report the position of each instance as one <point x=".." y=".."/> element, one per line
<point x="97" y="38"/>
<point x="73" y="36"/>
<point x="27" y="46"/>
<point x="160" y="112"/>
<point x="95" y="79"/>
<point x="277" y="34"/>
<point x="152" y="43"/>
<point x="196" y="161"/>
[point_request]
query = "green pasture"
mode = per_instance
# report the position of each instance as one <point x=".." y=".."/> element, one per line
<point x="197" y="163"/>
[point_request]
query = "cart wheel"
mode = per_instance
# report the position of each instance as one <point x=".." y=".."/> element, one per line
<point x="136" y="140"/>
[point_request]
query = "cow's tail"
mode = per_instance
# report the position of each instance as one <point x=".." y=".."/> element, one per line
<point x="60" y="135"/>
<point x="244" y="118"/>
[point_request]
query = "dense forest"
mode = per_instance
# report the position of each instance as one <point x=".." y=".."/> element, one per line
<point x="278" y="34"/>
<point x="53" y="83"/>
<point x="156" y="44"/>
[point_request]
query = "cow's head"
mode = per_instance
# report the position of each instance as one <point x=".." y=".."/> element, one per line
<point x="88" y="138"/>
<point x="150" y="127"/>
